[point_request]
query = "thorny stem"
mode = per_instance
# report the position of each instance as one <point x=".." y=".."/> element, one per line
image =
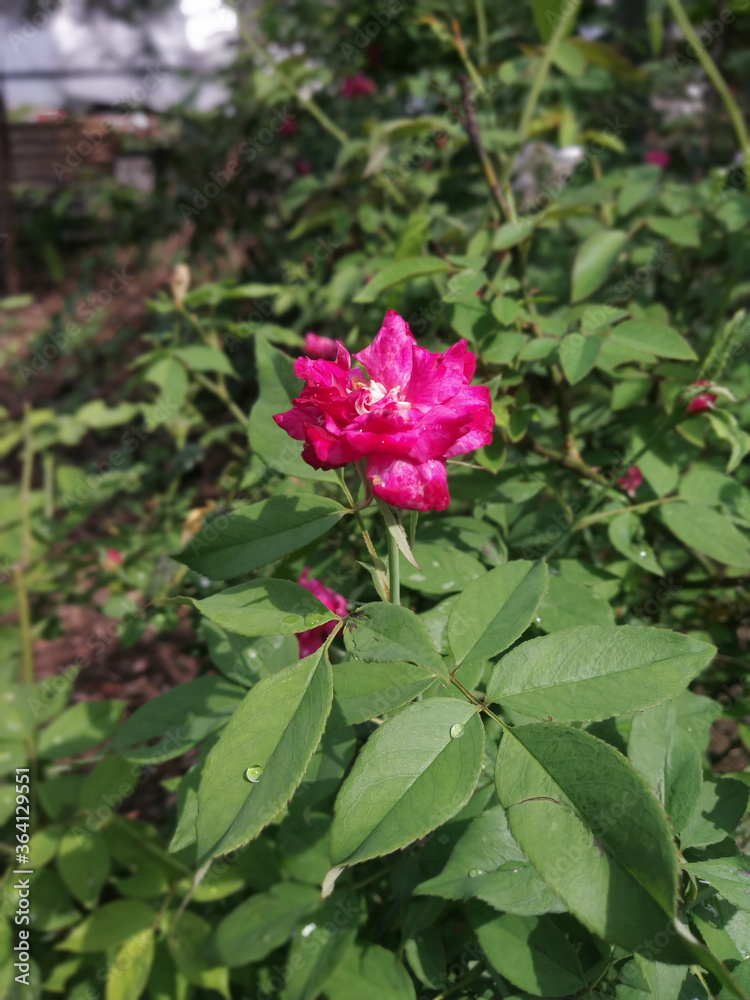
<point x="568" y="12"/>
<point x="223" y="394"/>
<point x="714" y="75"/>
<point x="472" y="131"/>
<point x="567" y="461"/>
<point x="603" y="515"/>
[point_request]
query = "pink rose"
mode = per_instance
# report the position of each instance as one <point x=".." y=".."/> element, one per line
<point x="353" y="86"/>
<point x="320" y="347"/>
<point x="630" y="482"/>
<point x="409" y="413"/>
<point x="315" y="637"/>
<point x="289" y="126"/>
<point x="704" y="401"/>
<point x="658" y="157"/>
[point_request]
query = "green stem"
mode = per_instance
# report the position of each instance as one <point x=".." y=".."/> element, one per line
<point x="19" y="578"/>
<point x="712" y="72"/>
<point x="307" y="102"/>
<point x="569" y="12"/>
<point x="482" y="30"/>
<point x="394" y="569"/>
<point x="223" y="394"/>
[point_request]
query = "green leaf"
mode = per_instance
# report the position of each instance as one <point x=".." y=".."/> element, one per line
<point x="493" y="611"/>
<point x="531" y="952"/>
<point x="578" y="356"/>
<point x="726" y="427"/>
<point x="653" y="338"/>
<point x="512" y="233"/>
<point x="569" y="603"/>
<point x="370" y="972"/>
<point x="263" y="922"/>
<point x="182" y="717"/>
<point x="594" y="260"/>
<point x="399" y="272"/>
<point x="442" y="569"/>
<point x="593" y="672"/>
<point x="730" y="876"/>
<point x="278" y="386"/>
<point x="707" y="531"/>
<point x="202" y="358"/>
<point x="109" y="926"/>
<point x="664" y="981"/>
<point x="668" y="759"/>
<point x="413" y="774"/>
<point x="547" y="14"/>
<point x="386" y="633"/>
<point x="247" y="659"/>
<point x="276" y="729"/>
<point x="129" y="972"/>
<point x="190" y="947"/>
<point x="84" y="865"/>
<point x="488" y="864"/>
<point x="623" y="531"/>
<point x="328" y="937"/>
<point x="720" y="806"/>
<point x="266" y="607"/>
<point x="80" y="727"/>
<point x="593" y="830"/>
<point x="684" y="231"/>
<point x="253" y="536"/>
<point x="364" y="691"/>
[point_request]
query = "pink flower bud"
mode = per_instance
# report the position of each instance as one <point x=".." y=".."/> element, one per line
<point x="315" y="637"/>
<point x="630" y="482"/>
<point x="320" y="347"/>
<point x="658" y="157"/>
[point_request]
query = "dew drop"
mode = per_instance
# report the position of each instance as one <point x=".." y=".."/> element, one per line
<point x="539" y="619"/>
<point x="290" y="619"/>
<point x="475" y="872"/>
<point x="642" y="554"/>
<point x="457" y="729"/>
<point x="312" y="620"/>
<point x="254" y="773"/>
<point x="307" y="930"/>
<point x="448" y="584"/>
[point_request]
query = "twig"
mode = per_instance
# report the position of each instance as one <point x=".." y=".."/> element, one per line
<point x="567" y="461"/>
<point x="473" y="132"/>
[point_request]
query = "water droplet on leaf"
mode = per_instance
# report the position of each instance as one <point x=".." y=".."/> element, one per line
<point x="254" y="773"/>
<point x="457" y="729"/>
<point x="290" y="619"/>
<point x="539" y="619"/>
<point x="476" y="871"/>
<point x="642" y="554"/>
